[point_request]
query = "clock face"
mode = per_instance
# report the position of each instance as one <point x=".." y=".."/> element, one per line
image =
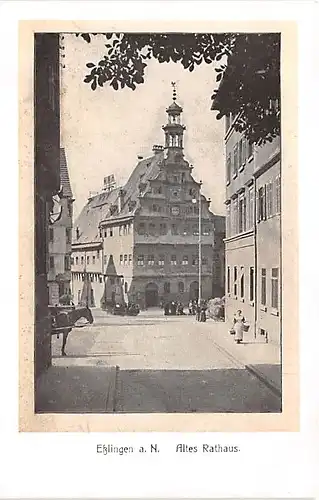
<point x="175" y="210"/>
<point x="176" y="191"/>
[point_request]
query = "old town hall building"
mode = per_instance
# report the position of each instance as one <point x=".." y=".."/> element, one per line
<point x="139" y="242"/>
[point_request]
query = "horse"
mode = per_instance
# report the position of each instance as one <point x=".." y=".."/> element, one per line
<point x="66" y="320"/>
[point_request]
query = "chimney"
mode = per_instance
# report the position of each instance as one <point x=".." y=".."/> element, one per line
<point x="109" y="183"/>
<point x="157" y="149"/>
<point x="92" y="194"/>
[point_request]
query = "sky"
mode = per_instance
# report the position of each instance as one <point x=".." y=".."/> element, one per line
<point x="104" y="131"/>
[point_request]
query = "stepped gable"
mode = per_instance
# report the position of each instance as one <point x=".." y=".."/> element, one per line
<point x="146" y="169"/>
<point x="64" y="176"/>
<point x="96" y="210"/>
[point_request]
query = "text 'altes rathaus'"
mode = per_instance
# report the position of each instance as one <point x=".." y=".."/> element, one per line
<point x="139" y="243"/>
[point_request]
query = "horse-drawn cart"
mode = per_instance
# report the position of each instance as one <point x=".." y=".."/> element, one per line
<point x="64" y="318"/>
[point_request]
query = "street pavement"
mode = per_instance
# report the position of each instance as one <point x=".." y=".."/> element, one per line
<point x="168" y="364"/>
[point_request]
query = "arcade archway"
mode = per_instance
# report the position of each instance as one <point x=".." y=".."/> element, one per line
<point x="151" y="295"/>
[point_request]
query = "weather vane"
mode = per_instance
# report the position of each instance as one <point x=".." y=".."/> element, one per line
<point x="174" y="90"/>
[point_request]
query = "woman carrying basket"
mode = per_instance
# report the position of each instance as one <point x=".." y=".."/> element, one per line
<point x="239" y="326"/>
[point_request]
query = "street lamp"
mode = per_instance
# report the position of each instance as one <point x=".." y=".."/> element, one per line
<point x="199" y="201"/>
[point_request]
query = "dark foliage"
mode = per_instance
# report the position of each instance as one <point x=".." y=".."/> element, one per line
<point x="249" y="71"/>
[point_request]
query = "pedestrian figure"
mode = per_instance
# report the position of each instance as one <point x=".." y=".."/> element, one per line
<point x="239" y="322"/>
<point x="198" y="308"/>
<point x="180" y="309"/>
<point x="173" y="308"/>
<point x="194" y="307"/>
<point x="203" y="313"/>
<point x="166" y="309"/>
<point x="190" y="307"/>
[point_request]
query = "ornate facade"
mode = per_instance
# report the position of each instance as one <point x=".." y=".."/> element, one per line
<point x="149" y="229"/>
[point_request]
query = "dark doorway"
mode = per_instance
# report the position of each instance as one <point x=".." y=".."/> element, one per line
<point x="193" y="290"/>
<point x="151" y="295"/>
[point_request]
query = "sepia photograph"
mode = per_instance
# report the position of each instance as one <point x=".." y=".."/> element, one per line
<point x="158" y="231"/>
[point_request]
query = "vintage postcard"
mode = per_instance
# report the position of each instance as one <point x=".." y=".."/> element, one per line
<point x="158" y="165"/>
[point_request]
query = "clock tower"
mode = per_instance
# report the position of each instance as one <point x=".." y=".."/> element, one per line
<point x="174" y="130"/>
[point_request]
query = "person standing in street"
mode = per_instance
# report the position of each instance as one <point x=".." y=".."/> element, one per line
<point x="239" y="322"/>
<point x="198" y="311"/>
<point x="166" y="309"/>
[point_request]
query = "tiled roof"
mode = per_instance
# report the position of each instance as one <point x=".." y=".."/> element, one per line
<point x="64" y="175"/>
<point x="98" y="208"/>
<point x="146" y="169"/>
<point x="91" y="215"/>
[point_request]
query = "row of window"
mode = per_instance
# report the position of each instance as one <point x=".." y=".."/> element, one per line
<point x="102" y="278"/>
<point x="68" y="235"/>
<point x="175" y="140"/>
<point x="162" y="229"/>
<point x="91" y="276"/>
<point x="154" y="229"/>
<point x="176" y="179"/>
<point x="126" y="259"/>
<point x="186" y="210"/>
<point x="122" y="230"/>
<point x="81" y="258"/>
<point x="237" y="158"/>
<point x="236" y="285"/>
<point x="269" y="199"/>
<point x="240" y="212"/>
<point x="161" y="260"/>
<point x="67" y="263"/>
<point x="95" y="277"/>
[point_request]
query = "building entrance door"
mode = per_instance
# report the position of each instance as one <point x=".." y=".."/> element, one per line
<point x="151" y="295"/>
<point x="193" y="290"/>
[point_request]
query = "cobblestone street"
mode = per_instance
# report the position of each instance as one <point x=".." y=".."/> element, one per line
<point x="166" y="364"/>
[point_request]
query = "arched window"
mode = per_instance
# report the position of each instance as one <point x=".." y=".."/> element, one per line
<point x="181" y="287"/>
<point x="167" y="287"/>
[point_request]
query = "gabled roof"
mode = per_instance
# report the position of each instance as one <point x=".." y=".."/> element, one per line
<point x="145" y="170"/>
<point x="96" y="209"/>
<point x="64" y="175"/>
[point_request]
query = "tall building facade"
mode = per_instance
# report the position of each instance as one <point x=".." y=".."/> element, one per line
<point x="93" y="276"/>
<point x="60" y="238"/>
<point x="219" y="256"/>
<point x="253" y="232"/>
<point x="47" y="180"/>
<point x="149" y="228"/>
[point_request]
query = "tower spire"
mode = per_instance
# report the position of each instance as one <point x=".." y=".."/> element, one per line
<point x="174" y="90"/>
<point x="174" y="130"/>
